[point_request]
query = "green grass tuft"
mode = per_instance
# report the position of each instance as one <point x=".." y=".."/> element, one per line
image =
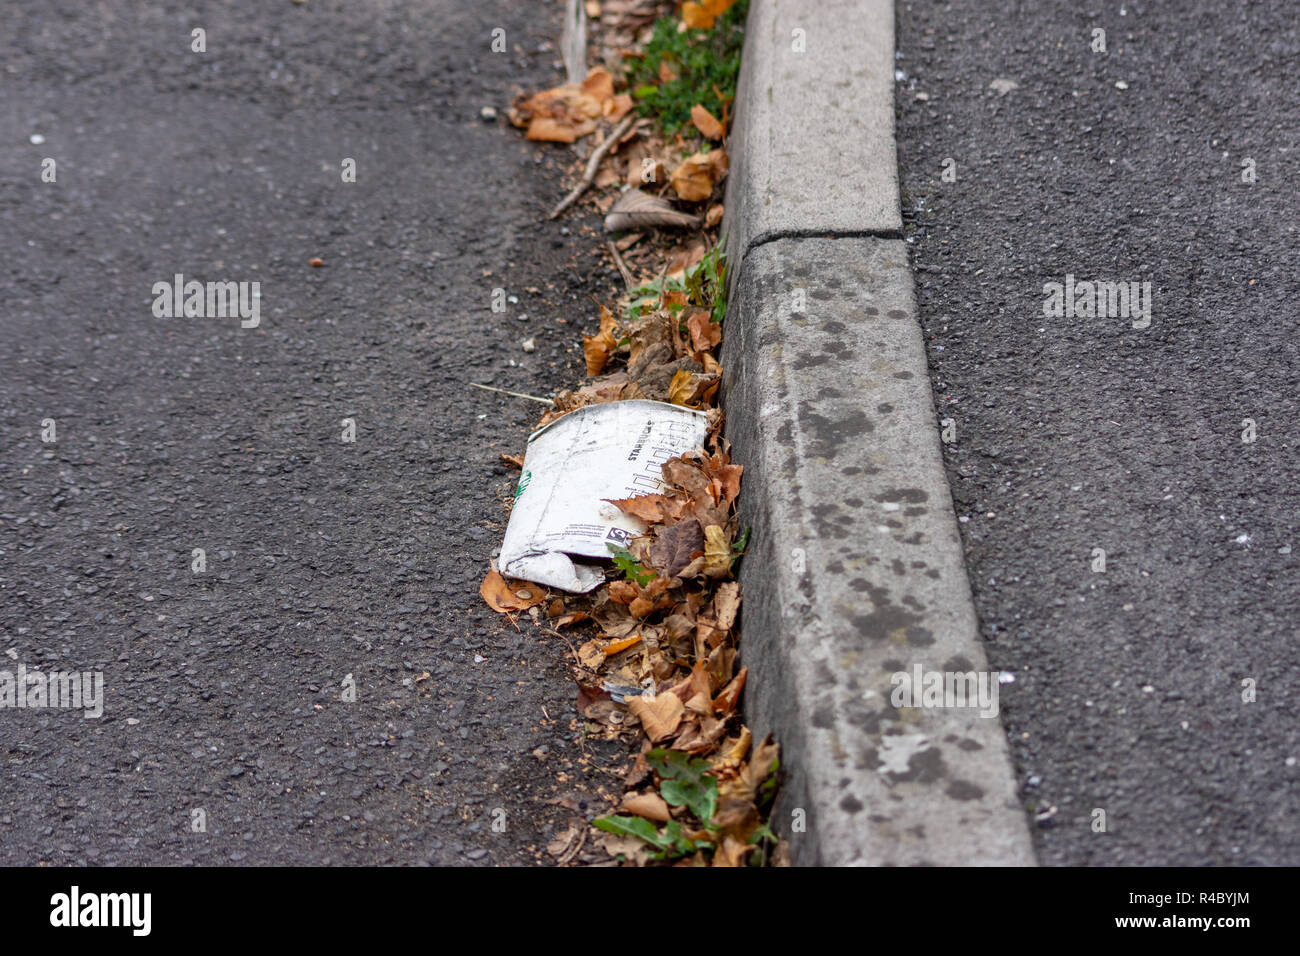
<point x="706" y="63"/>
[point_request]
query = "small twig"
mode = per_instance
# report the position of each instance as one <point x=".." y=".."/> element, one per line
<point x="572" y="650"/>
<point x="663" y="285"/>
<point x="531" y="398"/>
<point x="622" y="266"/>
<point x="594" y="163"/>
<point x="574" y="848"/>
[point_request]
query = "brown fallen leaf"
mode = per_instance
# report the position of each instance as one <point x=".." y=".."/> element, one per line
<point x="624" y="592"/>
<point x="702" y="737"/>
<point x="638" y="210"/>
<point x="714" y="215"/>
<point x="618" y="107"/>
<point x="706" y="123"/>
<point x="701" y="14"/>
<point x="563" y="841"/>
<point x="719" y="163"/>
<point x="704" y="332"/>
<point x="700" y="704"/>
<point x="695" y="684"/>
<point x="724" y="478"/>
<point x="722" y="663"/>
<point x="717" y="552"/>
<point x="590" y="699"/>
<point x="760" y="765"/>
<point x="726" y="604"/>
<point x="504" y="596"/>
<point x="676" y="298"/>
<point x="592" y="654"/>
<point x="692" y="389"/>
<point x="599" y="85"/>
<point x="648" y="508"/>
<point x="707" y="631"/>
<point x="567" y="620"/>
<point x="693" y="179"/>
<point x="606" y="177"/>
<point x="645" y="170"/>
<point x="550" y="129"/>
<point x="633" y="850"/>
<point x="565" y="113"/>
<point x="597" y="348"/>
<point x="736" y="819"/>
<point x="650" y="341"/>
<point x="688" y="474"/>
<point x="651" y="806"/>
<point x="741" y="746"/>
<point x="659" y="715"/>
<point x="617" y="647"/>
<point x="607" y="388"/>
<point x="676" y="546"/>
<point x="725" y="702"/>
<point x="615" y="621"/>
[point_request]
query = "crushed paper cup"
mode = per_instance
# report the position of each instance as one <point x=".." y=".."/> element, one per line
<point x="610" y="450"/>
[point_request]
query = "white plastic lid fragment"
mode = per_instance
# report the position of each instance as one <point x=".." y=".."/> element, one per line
<point x="611" y="450"/>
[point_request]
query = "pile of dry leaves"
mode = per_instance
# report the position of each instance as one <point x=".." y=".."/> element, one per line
<point x="646" y="176"/>
<point x="655" y="647"/>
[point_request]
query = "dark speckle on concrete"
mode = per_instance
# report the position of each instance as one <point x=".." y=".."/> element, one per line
<point x="963" y="790"/>
<point x="911" y="495"/>
<point x="919" y="636"/>
<point x="830" y="434"/>
<point x="924" y="767"/>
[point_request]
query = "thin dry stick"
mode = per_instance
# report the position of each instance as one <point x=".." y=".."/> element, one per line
<point x="575" y="847"/>
<point x="572" y="650"/>
<point x="531" y="398"/>
<point x="593" y="164"/>
<point x="663" y="286"/>
<point x="622" y="266"/>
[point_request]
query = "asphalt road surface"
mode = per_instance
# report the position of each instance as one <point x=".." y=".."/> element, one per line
<point x="227" y="735"/>
<point x="1082" y="433"/>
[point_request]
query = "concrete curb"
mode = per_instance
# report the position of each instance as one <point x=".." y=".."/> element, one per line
<point x="856" y="571"/>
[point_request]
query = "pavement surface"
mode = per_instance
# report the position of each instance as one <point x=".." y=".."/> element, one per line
<point x="1075" y="434"/>
<point x="224" y="690"/>
<point x="855" y="581"/>
<point x="856" y="575"/>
